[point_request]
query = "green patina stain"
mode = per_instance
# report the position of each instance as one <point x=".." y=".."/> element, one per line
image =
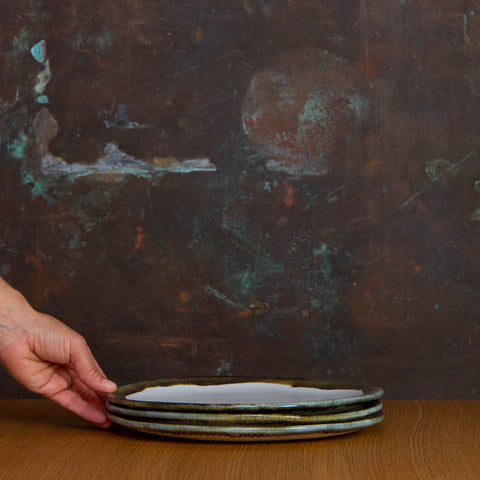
<point x="326" y="342"/>
<point x="39" y="187"/>
<point x="224" y="369"/>
<point x="18" y="147"/>
<point x="104" y="41"/>
<point x="316" y="108"/>
<point x="42" y="99"/>
<point x="100" y="43"/>
<point x="20" y="44"/>
<point x="475" y="216"/>
<point x="267" y="329"/>
<point x="246" y="280"/>
<point x="324" y="254"/>
<point x="253" y="263"/>
<point x="75" y="243"/>
<point x="38" y="51"/>
<point x="359" y="105"/>
<point x="267" y="187"/>
<point x="440" y="169"/>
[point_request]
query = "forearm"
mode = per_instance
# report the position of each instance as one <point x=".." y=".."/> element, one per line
<point x="15" y="314"/>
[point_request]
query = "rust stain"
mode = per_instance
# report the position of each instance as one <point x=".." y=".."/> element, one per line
<point x="417" y="268"/>
<point x="34" y="260"/>
<point x="258" y="307"/>
<point x="288" y="198"/>
<point x="184" y="297"/>
<point x="139" y="240"/>
<point x="198" y="35"/>
<point x="372" y="166"/>
<point x="163" y="161"/>
<point x="41" y="284"/>
<point x="176" y="342"/>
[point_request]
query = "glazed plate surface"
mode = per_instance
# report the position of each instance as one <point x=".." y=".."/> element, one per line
<point x="310" y="416"/>
<point x="240" y="394"/>
<point x="227" y="433"/>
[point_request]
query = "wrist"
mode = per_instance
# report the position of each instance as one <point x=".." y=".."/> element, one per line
<point x="15" y="313"/>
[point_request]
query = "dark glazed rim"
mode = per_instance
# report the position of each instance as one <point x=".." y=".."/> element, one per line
<point x="119" y="396"/>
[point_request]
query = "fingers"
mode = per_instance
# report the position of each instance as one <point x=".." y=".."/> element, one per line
<point x="92" y="397"/>
<point x="72" y="401"/>
<point x="66" y="388"/>
<point x="87" y="368"/>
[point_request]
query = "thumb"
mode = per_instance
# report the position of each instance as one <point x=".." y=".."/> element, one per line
<point x="87" y="368"/>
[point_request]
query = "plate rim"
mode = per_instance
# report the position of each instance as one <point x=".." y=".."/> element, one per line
<point x="118" y="397"/>
<point x="249" y="418"/>
<point x="179" y="429"/>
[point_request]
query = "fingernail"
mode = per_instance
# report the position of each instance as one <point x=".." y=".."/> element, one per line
<point x="109" y="385"/>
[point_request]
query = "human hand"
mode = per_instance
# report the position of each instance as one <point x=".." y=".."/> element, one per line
<point x="49" y="358"/>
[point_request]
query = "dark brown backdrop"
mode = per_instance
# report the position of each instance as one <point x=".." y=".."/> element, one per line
<point x="248" y="187"/>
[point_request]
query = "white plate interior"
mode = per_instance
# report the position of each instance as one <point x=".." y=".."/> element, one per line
<point x="240" y="393"/>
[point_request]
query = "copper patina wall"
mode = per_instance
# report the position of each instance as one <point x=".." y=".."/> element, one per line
<point x="248" y="187"/>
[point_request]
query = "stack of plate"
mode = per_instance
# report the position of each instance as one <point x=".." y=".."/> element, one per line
<point x="245" y="409"/>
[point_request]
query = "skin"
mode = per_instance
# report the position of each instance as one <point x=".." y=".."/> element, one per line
<point x="49" y="358"/>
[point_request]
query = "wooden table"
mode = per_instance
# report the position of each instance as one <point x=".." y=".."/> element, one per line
<point x="431" y="440"/>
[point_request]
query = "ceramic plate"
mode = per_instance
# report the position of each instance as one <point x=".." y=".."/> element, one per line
<point x="271" y="418"/>
<point x="247" y="434"/>
<point x="230" y="394"/>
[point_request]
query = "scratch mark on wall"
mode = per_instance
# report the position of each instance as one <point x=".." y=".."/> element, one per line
<point x="210" y="290"/>
<point x="440" y="169"/>
<point x="363" y="20"/>
<point x="337" y="193"/>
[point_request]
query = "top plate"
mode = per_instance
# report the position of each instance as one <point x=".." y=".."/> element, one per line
<point x="240" y="394"/>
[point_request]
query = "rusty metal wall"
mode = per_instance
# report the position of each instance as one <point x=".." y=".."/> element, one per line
<point x="248" y="187"/>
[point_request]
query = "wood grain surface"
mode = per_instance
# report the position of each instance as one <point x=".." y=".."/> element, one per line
<point x="430" y="440"/>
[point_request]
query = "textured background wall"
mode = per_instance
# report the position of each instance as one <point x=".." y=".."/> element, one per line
<point x="248" y="187"/>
